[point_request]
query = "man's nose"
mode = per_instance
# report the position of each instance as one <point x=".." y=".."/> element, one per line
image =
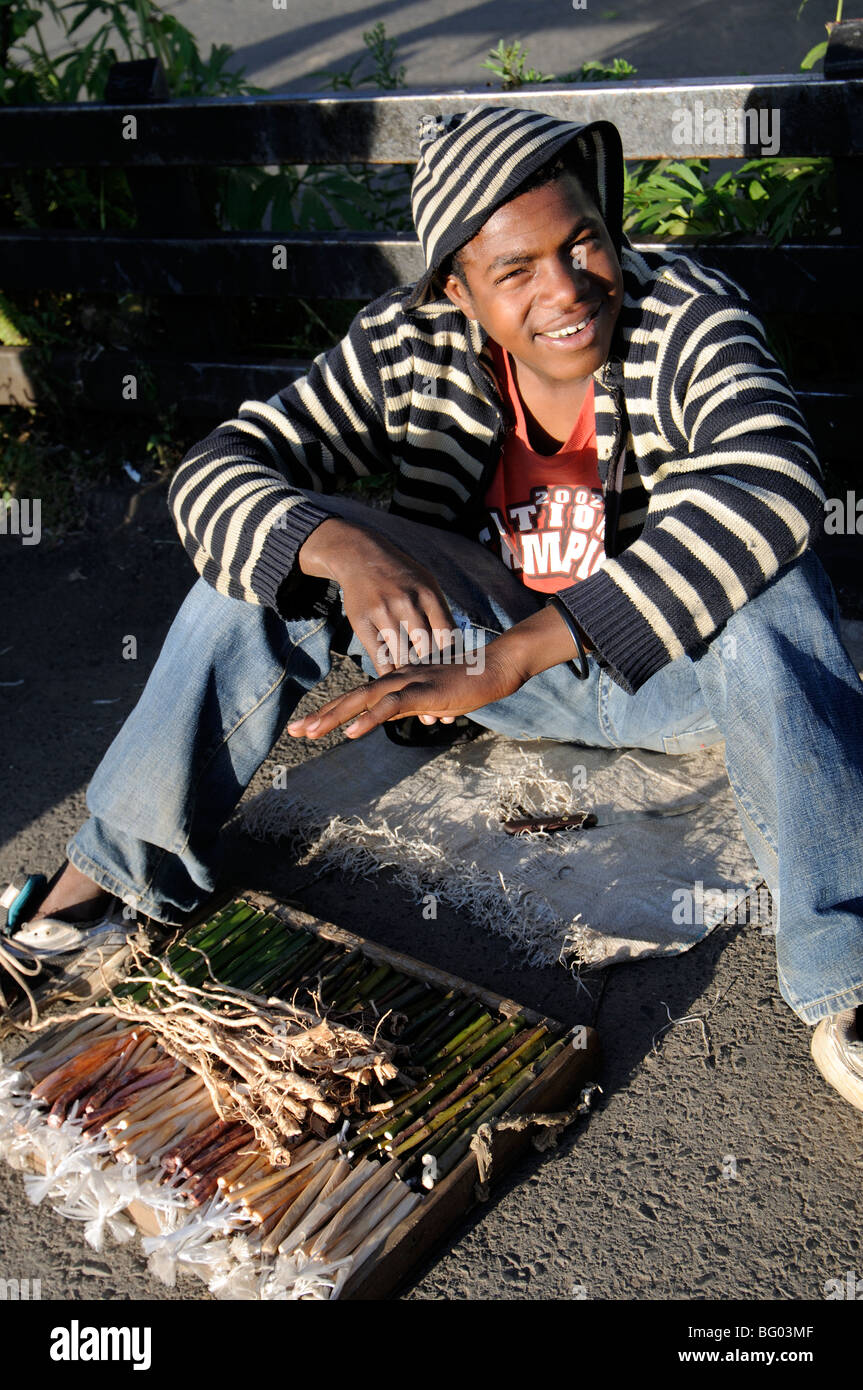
<point x="566" y="276"/>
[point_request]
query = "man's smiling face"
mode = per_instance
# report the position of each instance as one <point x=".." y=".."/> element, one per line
<point x="542" y="263"/>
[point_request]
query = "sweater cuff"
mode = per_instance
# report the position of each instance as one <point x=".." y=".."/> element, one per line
<point x="630" y="648"/>
<point x="277" y="580"/>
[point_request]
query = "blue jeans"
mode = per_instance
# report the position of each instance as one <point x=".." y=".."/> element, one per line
<point x="775" y="683"/>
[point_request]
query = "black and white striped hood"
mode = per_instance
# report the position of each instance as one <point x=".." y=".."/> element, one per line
<point x="471" y="162"/>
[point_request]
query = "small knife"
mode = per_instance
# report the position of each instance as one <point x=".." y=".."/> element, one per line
<point x="586" y="820"/>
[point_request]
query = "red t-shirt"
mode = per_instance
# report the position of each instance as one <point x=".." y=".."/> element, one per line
<point x="546" y="513"/>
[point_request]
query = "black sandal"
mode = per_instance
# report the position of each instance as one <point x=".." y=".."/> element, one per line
<point x="409" y="732"/>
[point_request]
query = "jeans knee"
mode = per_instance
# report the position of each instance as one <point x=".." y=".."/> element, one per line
<point x="799" y="590"/>
<point x="205" y="609"/>
<point x="235" y="634"/>
<point x="798" y="602"/>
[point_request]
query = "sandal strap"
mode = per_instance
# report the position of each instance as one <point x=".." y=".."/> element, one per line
<point x="21" y="903"/>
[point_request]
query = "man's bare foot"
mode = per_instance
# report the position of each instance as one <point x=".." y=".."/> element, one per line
<point x="73" y="897"/>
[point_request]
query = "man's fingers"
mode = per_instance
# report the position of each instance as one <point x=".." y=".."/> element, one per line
<point x="387" y="707"/>
<point x="381" y="700"/>
<point x="408" y="638"/>
<point x="422" y="625"/>
<point x="441" y="622"/>
<point x="368" y="706"/>
<point x="330" y="715"/>
<point x="378" y="644"/>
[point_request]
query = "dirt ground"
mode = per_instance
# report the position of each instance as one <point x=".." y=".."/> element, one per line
<point x="641" y="1200"/>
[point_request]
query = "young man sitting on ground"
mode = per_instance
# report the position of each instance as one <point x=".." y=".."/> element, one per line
<point x="599" y="471"/>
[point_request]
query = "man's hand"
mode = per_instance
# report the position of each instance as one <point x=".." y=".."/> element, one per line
<point x="431" y="691"/>
<point x="436" y="691"/>
<point x="386" y="594"/>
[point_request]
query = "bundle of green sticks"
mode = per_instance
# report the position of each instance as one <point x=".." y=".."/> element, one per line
<point x="382" y="1079"/>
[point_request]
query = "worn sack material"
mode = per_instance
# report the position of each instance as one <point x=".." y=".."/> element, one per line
<point x="645" y="887"/>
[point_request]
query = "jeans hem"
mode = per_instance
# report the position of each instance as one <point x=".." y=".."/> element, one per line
<point x="826" y="1005"/>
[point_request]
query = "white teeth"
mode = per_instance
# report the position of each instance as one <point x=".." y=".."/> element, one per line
<point x="568" y="332"/>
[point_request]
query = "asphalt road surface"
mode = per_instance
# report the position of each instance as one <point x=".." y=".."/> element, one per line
<point x="444" y="44"/>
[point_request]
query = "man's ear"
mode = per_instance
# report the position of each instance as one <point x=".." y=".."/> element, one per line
<point x="459" y="295"/>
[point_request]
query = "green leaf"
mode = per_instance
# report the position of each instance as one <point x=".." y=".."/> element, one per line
<point x="20" y="22"/>
<point x="238" y="204"/>
<point x="354" y="218"/>
<point x="87" y="8"/>
<point x="339" y="188"/>
<point x="684" y="172"/>
<point x="313" y="212"/>
<point x="670" y="186"/>
<point x="261" y="198"/>
<point x="812" y="56"/>
<point x="283" y="216"/>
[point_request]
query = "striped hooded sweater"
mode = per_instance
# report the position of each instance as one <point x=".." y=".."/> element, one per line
<point x="710" y="476"/>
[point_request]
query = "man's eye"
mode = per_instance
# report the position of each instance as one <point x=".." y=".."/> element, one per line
<point x="510" y="274"/>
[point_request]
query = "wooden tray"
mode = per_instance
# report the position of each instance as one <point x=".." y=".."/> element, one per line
<point x="556" y="1088"/>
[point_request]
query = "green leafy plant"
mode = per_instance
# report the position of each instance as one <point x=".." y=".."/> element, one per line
<point x="161" y="443"/>
<point x="291" y="199"/>
<point x="594" y="71"/>
<point x="508" y="60"/>
<point x="12" y="331"/>
<point x="817" y="52"/>
<point x="129" y="29"/>
<point x="769" y="197"/>
<point x="384" y="73"/>
<point x="665" y="198"/>
<point x="772" y="197"/>
<point x="359" y="197"/>
<point x="126" y="30"/>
